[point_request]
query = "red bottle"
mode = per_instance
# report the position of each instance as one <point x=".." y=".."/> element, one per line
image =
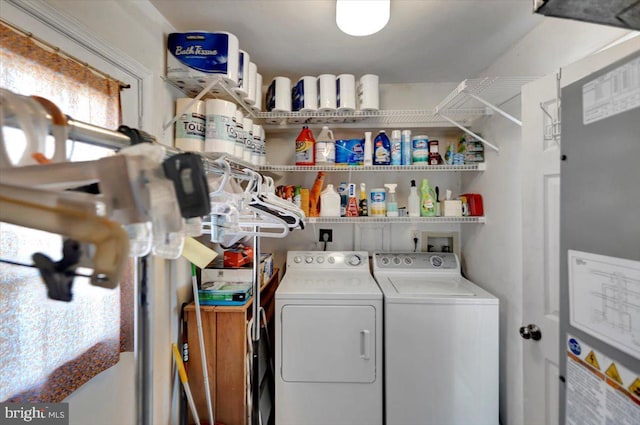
<point x="305" y="147"/>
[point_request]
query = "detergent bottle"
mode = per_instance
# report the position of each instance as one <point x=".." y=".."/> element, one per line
<point x="305" y="147"/>
<point x="381" y="149"/>
<point x="325" y="147"/>
<point x="427" y="200"/>
<point x="329" y="202"/>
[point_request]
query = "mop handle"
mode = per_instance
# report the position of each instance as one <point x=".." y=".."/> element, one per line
<point x="185" y="382"/>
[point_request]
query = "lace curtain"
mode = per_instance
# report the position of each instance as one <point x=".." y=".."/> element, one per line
<point x="50" y="348"/>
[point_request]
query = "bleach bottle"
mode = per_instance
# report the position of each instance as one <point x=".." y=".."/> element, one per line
<point x="381" y="149"/>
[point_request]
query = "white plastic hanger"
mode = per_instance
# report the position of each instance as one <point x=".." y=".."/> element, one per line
<point x="72" y="216"/>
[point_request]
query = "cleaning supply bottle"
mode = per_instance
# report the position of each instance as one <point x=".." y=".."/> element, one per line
<point x="381" y="149"/>
<point x="414" y="200"/>
<point x="396" y="147"/>
<point x="368" y="149"/>
<point x="352" y="204"/>
<point x="305" y="147"/>
<point x="342" y="191"/>
<point x="427" y="200"/>
<point x="325" y="147"/>
<point x="329" y="202"/>
<point x="364" y="207"/>
<point x="392" y="204"/>
<point x="314" y="195"/>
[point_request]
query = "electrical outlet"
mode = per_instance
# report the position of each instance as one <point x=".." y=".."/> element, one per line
<point x="327" y="232"/>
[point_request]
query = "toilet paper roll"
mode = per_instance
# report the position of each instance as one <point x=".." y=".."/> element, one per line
<point x="279" y="95"/>
<point x="346" y="92"/>
<point x="257" y="107"/>
<point x="220" y="134"/>
<point x="257" y="142"/>
<point x="327" y="93"/>
<point x="248" y="139"/>
<point x="368" y="93"/>
<point x="198" y="54"/>
<point x="253" y="74"/>
<point x="190" y="125"/>
<point x="304" y="95"/>
<point x="243" y="74"/>
<point x="263" y="147"/>
<point x="238" y="147"/>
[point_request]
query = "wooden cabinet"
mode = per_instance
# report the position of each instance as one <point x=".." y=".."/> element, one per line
<point x="226" y="345"/>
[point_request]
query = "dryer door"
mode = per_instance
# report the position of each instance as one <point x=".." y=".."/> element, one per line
<point x="323" y="343"/>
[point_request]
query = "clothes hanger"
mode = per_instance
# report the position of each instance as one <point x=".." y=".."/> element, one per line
<point x="68" y="215"/>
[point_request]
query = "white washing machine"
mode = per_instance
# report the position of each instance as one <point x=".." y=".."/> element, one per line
<point x="328" y="341"/>
<point x="441" y="342"/>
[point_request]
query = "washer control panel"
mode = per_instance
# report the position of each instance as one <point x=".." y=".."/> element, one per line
<point x="415" y="261"/>
<point x="348" y="260"/>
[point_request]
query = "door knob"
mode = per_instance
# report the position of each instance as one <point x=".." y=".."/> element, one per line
<point x="531" y="332"/>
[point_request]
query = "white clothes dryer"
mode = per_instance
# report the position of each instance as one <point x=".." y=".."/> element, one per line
<point x="441" y="342"/>
<point x="328" y="341"/>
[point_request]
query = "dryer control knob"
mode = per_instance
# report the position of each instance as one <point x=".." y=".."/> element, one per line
<point x="408" y="261"/>
<point x="396" y="260"/>
<point x="331" y="260"/>
<point x="319" y="260"/>
<point x="354" y="260"/>
<point x="308" y="260"/>
<point x="297" y="260"/>
<point x="385" y="261"/>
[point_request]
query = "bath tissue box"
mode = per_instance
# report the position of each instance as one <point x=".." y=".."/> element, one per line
<point x="451" y="208"/>
<point x="203" y="54"/>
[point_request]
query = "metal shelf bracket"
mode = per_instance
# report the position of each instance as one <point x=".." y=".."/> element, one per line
<point x="471" y="133"/>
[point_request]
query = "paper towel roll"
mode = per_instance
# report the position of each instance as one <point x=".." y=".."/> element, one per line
<point x="279" y="95"/>
<point x="327" y="93"/>
<point x="243" y="74"/>
<point x="257" y="107"/>
<point x="220" y="135"/>
<point x="257" y="144"/>
<point x="346" y="92"/>
<point x="253" y="84"/>
<point x="190" y="126"/>
<point x="368" y="93"/>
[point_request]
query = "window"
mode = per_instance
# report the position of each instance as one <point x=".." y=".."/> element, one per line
<point x="48" y="347"/>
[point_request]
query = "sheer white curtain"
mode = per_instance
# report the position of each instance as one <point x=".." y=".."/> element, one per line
<point x="49" y="348"/>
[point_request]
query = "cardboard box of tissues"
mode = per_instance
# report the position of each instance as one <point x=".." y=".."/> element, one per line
<point x="451" y="208"/>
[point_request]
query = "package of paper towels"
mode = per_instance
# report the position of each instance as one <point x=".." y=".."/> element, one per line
<point x="203" y="54"/>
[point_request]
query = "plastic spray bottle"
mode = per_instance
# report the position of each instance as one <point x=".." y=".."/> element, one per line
<point x="364" y="207"/>
<point x="414" y="200"/>
<point x="368" y="148"/>
<point x="392" y="203"/>
<point x="427" y="200"/>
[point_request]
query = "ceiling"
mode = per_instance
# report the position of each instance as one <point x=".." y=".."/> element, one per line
<point x="424" y="41"/>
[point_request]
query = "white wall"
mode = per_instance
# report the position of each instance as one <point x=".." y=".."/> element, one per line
<point x="492" y="254"/>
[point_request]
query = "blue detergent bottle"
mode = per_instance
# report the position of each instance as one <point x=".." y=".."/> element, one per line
<point x="381" y="149"/>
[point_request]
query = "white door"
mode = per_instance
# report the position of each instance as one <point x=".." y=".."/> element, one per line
<point x="541" y="239"/>
<point x="541" y="234"/>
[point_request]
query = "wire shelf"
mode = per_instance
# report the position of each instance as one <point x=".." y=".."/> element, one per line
<point x="366" y="220"/>
<point x="495" y="90"/>
<point x="373" y="168"/>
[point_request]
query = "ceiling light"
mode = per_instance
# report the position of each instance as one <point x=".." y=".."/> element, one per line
<point x="362" y="17"/>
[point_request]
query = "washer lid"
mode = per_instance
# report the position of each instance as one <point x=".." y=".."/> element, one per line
<point x="451" y="287"/>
